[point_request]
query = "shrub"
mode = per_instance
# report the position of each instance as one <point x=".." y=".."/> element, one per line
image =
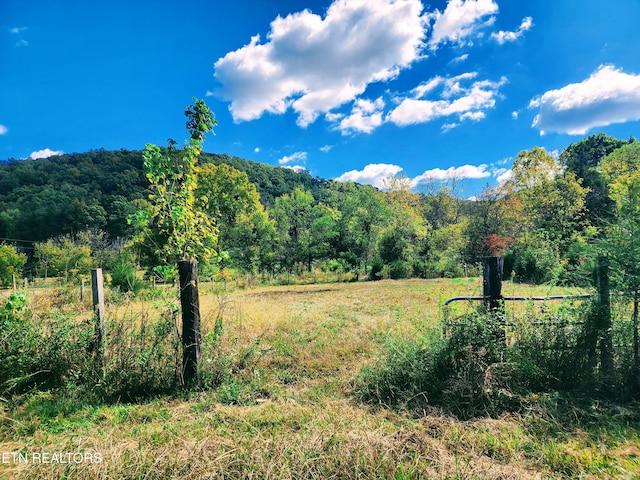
<point x="536" y="262"/>
<point x="11" y="264"/>
<point x="478" y="369"/>
<point x="142" y="358"/>
<point x="42" y="352"/>
<point x="398" y="270"/>
<point x="405" y="372"/>
<point x="375" y="271"/>
<point x="123" y="274"/>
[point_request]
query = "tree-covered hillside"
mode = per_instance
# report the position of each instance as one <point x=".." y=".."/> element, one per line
<point x="40" y="199"/>
<point x="549" y="220"/>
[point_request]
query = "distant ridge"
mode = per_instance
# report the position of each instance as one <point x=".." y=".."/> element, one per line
<point x="42" y="198"/>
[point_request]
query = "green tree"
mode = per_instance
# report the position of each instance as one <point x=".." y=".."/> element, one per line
<point x="531" y="167"/>
<point x="62" y="256"/>
<point x="11" y="264"/>
<point x="583" y="159"/>
<point x="441" y="206"/>
<point x="363" y="212"/>
<point x="306" y="230"/>
<point x="229" y="193"/>
<point x="404" y="238"/>
<point x="293" y="216"/>
<point x="175" y="226"/>
<point x="252" y="244"/>
<point x="447" y="246"/>
<point x="324" y="233"/>
<point x="487" y="218"/>
<point x="245" y="232"/>
<point x="621" y="169"/>
<point x="546" y="206"/>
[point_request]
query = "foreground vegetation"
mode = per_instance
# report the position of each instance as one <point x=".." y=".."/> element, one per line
<point x="286" y="392"/>
<point x="319" y="380"/>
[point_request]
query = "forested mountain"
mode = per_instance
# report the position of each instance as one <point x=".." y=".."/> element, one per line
<point x="40" y="199"/>
<point x="548" y="221"/>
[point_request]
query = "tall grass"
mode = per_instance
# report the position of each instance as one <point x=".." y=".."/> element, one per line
<point x="492" y="363"/>
<point x="284" y="373"/>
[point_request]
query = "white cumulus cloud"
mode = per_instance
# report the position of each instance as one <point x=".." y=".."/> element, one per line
<point x="372" y="174"/>
<point x="298" y="169"/>
<point x="608" y="96"/>
<point x="375" y="174"/>
<point x="3" y="130"/>
<point x="460" y="20"/>
<point x="473" y="116"/>
<point x="458" y="173"/>
<point x="503" y="37"/>
<point x="294" y="157"/>
<point x="46" y="153"/>
<point x="467" y="102"/>
<point x="460" y="59"/>
<point x="502" y="174"/>
<point x="313" y="64"/>
<point x="365" y="116"/>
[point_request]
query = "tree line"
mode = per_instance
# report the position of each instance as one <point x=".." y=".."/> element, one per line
<point x="82" y="210"/>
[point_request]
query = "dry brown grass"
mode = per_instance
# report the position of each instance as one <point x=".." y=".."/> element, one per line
<point x="298" y="418"/>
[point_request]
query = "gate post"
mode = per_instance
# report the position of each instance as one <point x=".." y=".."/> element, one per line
<point x="492" y="282"/>
<point x="603" y="325"/>
<point x="492" y="292"/>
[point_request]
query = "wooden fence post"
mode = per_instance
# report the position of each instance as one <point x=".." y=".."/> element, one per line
<point x="604" y="327"/>
<point x="97" y="289"/>
<point x="492" y="282"/>
<point x="492" y="293"/>
<point x="191" y="334"/>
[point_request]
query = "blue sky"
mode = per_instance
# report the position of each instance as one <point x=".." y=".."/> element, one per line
<point x="350" y="89"/>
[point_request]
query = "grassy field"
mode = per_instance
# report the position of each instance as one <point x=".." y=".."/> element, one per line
<point x="289" y="409"/>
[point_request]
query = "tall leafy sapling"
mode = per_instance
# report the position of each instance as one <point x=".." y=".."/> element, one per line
<point x="176" y="227"/>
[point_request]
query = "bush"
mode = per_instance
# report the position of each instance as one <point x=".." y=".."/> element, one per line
<point x="41" y="352"/>
<point x="398" y="270"/>
<point x="475" y="371"/>
<point x="535" y="262"/>
<point x="123" y="274"/>
<point x="142" y="359"/>
<point x="375" y="271"/>
<point x="578" y="265"/>
<point x="11" y="264"/>
<point x="142" y="356"/>
<point x="405" y="372"/>
<point x="450" y="267"/>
